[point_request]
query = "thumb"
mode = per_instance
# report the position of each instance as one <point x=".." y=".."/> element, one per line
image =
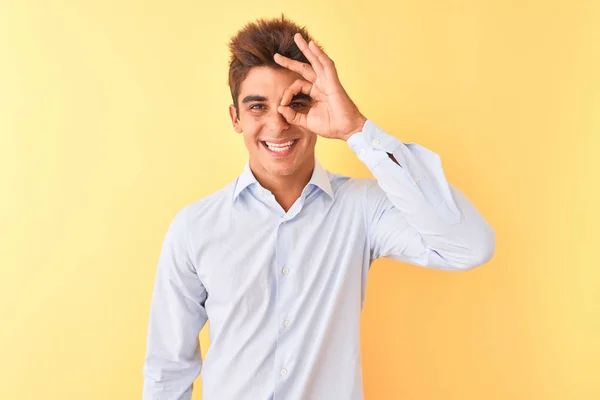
<point x="292" y="117"/>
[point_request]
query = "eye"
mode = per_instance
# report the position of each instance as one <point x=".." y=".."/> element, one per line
<point x="297" y="105"/>
<point x="257" y="107"/>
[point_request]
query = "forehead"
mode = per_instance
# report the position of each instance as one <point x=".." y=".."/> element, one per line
<point x="267" y="81"/>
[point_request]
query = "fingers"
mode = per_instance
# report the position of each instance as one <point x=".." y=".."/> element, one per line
<point x="291" y="115"/>
<point x="299" y="86"/>
<point x="303" y="69"/>
<point x="325" y="60"/>
<point x="308" y="71"/>
<point x="312" y="58"/>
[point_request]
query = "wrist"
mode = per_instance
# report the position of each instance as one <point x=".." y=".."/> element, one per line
<point x="357" y="126"/>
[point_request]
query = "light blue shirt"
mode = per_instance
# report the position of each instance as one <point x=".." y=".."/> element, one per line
<point x="284" y="291"/>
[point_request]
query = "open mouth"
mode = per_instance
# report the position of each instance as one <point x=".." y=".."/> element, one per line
<point x="282" y="149"/>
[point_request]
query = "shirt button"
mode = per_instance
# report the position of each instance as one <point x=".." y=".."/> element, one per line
<point x="284" y="371"/>
<point x="286" y="323"/>
<point x="375" y="142"/>
<point x="285" y="271"/>
<point x="416" y="179"/>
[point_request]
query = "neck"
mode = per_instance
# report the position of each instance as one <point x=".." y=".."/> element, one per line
<point x="287" y="188"/>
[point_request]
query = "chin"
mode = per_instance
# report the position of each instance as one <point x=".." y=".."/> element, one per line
<point x="281" y="170"/>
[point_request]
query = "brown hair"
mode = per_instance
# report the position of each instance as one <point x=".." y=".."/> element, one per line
<point x="255" y="45"/>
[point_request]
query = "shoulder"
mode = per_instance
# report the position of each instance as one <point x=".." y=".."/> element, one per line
<point x="210" y="204"/>
<point x="202" y="212"/>
<point x="345" y="187"/>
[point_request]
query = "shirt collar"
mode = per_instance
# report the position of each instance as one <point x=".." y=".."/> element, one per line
<point x="319" y="178"/>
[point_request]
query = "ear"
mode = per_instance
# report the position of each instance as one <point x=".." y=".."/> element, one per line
<point x="234" y="119"/>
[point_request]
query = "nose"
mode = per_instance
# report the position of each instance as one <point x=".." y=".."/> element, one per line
<point x="277" y="122"/>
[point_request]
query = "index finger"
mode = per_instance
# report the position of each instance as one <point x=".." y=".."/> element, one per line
<point x="303" y="69"/>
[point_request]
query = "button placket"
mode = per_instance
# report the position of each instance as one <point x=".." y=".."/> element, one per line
<point x="285" y="355"/>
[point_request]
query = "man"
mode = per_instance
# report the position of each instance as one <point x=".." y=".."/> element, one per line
<point x="278" y="259"/>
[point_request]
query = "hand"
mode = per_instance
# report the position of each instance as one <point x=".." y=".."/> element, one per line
<point x="333" y="114"/>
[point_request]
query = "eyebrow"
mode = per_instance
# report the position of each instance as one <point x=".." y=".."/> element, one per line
<point x="254" y="97"/>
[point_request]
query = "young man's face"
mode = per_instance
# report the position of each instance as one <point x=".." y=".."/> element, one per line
<point x="261" y="124"/>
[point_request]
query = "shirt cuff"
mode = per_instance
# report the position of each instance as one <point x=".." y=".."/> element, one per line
<point x="372" y="144"/>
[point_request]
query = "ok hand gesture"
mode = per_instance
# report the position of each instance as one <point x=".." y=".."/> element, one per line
<point x="333" y="114"/>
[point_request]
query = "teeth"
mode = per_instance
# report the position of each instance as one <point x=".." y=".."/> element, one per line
<point x="278" y="148"/>
<point x="280" y="145"/>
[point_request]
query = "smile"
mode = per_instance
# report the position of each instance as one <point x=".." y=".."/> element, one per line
<point x="280" y="150"/>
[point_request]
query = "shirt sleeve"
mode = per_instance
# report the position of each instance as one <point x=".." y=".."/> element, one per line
<point x="177" y="314"/>
<point x="413" y="213"/>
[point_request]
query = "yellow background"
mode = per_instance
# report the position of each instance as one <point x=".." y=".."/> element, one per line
<point x="113" y="115"/>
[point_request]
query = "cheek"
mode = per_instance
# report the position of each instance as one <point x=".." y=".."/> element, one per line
<point x="251" y="137"/>
<point x="249" y="140"/>
<point x="251" y="127"/>
<point x="311" y="140"/>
